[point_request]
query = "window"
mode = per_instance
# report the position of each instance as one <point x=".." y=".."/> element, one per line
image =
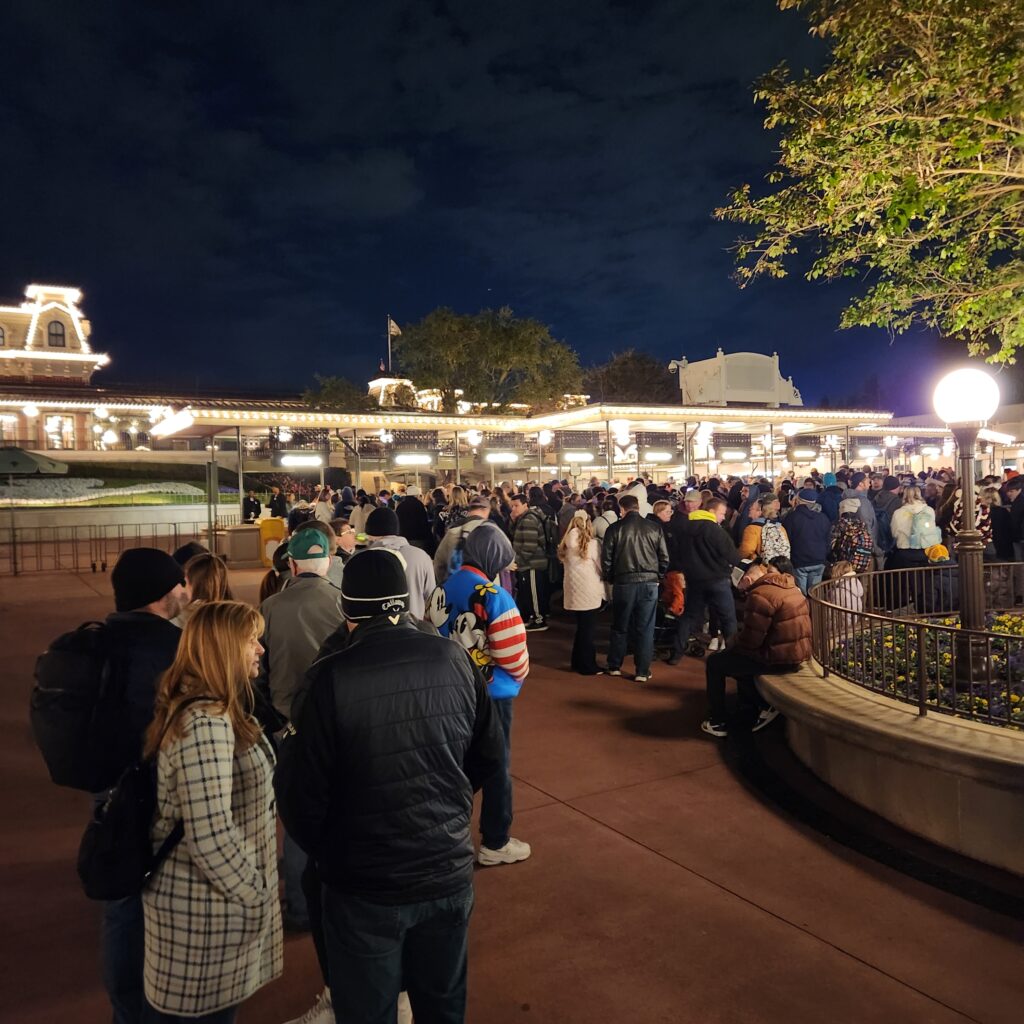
<point x="3" y="338"/>
<point x="55" y="334"/>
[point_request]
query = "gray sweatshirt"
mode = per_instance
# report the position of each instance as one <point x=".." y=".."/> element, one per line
<point x="419" y="571"/>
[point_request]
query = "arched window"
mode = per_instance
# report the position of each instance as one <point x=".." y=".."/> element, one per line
<point x="55" y="334"/>
<point x="3" y="337"/>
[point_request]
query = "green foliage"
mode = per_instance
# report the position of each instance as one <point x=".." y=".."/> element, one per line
<point x="632" y="376"/>
<point x="903" y="160"/>
<point x="337" y="394"/>
<point x="492" y="356"/>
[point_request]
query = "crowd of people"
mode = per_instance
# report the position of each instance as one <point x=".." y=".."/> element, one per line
<point x="372" y="692"/>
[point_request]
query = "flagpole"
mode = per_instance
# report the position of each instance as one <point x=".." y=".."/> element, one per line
<point x="387" y="331"/>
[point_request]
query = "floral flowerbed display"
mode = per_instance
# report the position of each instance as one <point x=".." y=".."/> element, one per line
<point x="884" y="656"/>
<point x="81" y="490"/>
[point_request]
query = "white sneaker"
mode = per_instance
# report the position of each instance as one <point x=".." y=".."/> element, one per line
<point x="404" y="1009"/>
<point x="766" y="717"/>
<point x="716" y="643"/>
<point x="321" y="1012"/>
<point x="512" y="852"/>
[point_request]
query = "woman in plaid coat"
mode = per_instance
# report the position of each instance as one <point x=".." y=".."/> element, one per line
<point x="213" y="921"/>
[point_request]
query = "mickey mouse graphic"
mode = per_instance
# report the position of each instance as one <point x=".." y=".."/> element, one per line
<point x="469" y="628"/>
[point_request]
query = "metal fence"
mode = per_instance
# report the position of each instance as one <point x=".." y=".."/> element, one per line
<point x="96" y="547"/>
<point x="897" y="633"/>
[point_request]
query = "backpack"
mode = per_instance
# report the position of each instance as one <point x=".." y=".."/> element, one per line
<point x="75" y="717"/>
<point x="883" y="530"/>
<point x="456" y="557"/>
<point x="115" y="856"/>
<point x="923" y="534"/>
<point x="852" y="543"/>
<point x="774" y="542"/>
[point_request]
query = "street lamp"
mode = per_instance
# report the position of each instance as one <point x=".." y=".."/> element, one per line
<point x="965" y="400"/>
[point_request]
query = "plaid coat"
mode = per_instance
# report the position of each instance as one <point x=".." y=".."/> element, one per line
<point x="213" y="921"/>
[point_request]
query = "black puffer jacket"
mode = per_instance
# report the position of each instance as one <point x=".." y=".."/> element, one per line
<point x="394" y="735"/>
<point x="634" y="551"/>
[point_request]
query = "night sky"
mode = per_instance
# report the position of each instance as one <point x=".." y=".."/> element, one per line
<point x="245" y="191"/>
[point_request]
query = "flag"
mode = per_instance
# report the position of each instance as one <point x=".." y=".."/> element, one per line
<point x="383" y="368"/>
<point x="394" y="331"/>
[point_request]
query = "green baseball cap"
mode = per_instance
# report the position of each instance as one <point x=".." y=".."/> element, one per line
<point x="308" y="544"/>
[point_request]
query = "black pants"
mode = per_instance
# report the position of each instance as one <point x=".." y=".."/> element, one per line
<point x="533" y="594"/>
<point x="584" y="655"/>
<point x="743" y="668"/>
<point x="314" y="894"/>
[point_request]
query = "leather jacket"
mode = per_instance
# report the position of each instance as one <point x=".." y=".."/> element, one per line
<point x="634" y="551"/>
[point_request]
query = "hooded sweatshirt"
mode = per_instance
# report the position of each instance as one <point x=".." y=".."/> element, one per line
<point x="473" y="608"/>
<point x="776" y="621"/>
<point x="419" y="571"/>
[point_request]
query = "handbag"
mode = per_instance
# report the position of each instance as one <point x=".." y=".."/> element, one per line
<point x="115" y="857"/>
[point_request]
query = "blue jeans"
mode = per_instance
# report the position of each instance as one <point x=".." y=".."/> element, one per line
<point x="807" y="575"/>
<point x="374" y="950"/>
<point x="713" y="594"/>
<point x="294" y="863"/>
<point x="496" y="793"/>
<point x="633" y="608"/>
<point x="123" y="938"/>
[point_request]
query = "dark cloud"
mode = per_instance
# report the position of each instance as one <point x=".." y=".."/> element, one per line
<point x="244" y="193"/>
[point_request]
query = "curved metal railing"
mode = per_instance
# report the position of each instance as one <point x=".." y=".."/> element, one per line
<point x="896" y="632"/>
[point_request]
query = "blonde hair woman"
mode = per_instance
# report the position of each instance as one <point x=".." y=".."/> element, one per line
<point x="212" y="916"/>
<point x="206" y="579"/>
<point x="583" y="591"/>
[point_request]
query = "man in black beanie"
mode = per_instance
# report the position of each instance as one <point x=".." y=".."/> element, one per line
<point x="141" y="641"/>
<point x="394" y="735"/>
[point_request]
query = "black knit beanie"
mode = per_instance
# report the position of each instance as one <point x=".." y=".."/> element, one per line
<point x="374" y="584"/>
<point x="142" y="576"/>
<point x="382" y="522"/>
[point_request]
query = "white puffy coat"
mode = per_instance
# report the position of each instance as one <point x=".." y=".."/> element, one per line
<point x="582" y="589"/>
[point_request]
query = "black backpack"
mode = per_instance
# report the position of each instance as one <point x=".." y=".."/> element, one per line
<point x="115" y="856"/>
<point x="74" y="714"/>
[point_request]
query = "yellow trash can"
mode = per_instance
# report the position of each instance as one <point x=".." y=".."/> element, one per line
<point x="272" y="533"/>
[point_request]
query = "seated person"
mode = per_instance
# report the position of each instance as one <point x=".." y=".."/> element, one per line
<point x="775" y="635"/>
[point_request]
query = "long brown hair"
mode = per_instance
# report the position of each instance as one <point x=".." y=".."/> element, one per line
<point x="584" y="531"/>
<point x="212" y="662"/>
<point x="207" y="576"/>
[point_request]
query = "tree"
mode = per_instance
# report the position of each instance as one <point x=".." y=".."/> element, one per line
<point x="632" y="376"/>
<point x="904" y="160"/>
<point x="337" y="393"/>
<point x="491" y="356"/>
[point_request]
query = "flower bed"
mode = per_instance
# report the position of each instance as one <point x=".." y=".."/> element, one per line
<point x="884" y="657"/>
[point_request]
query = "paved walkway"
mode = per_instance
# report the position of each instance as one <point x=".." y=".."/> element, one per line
<point x="661" y="888"/>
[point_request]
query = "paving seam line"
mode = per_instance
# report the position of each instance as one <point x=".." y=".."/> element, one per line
<point x="751" y="903"/>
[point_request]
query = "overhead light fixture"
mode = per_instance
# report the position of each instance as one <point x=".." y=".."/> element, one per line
<point x="995" y="436"/>
<point x="101" y="412"/>
<point x="296" y="460"/>
<point x="868" y="453"/>
<point x="792" y="429"/>
<point x="804" y="453"/>
<point x="577" y="456"/>
<point x="180" y="420"/>
<point x="657" y="456"/>
<point x="732" y="455"/>
<point x="413" y="459"/>
<point x="545" y="437"/>
<point x="109" y="437"/>
<point x="474" y="437"/>
<point x="502" y="458"/>
<point x="931" y="450"/>
<point x="31" y="411"/>
<point x="284" y="435"/>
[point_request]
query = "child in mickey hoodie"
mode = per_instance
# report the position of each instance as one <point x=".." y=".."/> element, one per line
<point x="476" y="611"/>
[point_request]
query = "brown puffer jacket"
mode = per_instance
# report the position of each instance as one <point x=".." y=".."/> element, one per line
<point x="776" y="622"/>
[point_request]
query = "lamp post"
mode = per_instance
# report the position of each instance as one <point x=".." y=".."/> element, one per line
<point x="965" y="399"/>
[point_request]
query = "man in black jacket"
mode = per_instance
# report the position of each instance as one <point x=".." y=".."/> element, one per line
<point x="149" y="591"/>
<point x="705" y="556"/>
<point x="395" y="734"/>
<point x="634" y="556"/>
